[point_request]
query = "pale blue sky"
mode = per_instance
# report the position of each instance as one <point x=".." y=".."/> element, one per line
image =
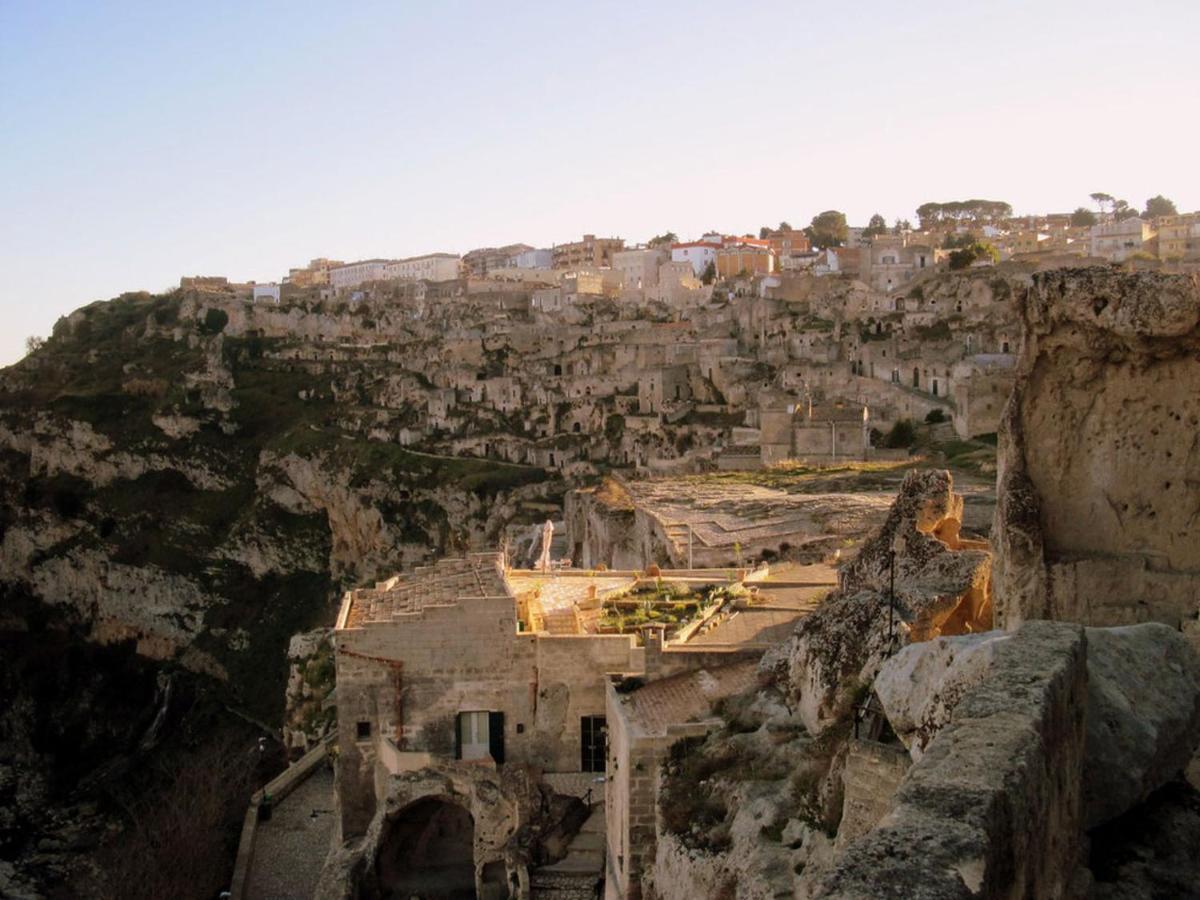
<point x="143" y="141"/>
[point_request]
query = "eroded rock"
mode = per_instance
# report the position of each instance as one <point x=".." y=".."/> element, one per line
<point x="920" y="686"/>
<point x="1099" y="460"/>
<point x="1143" y="721"/>
<point x="942" y="586"/>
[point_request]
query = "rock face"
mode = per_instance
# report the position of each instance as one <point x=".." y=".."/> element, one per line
<point x="1143" y="704"/>
<point x="942" y="586"/>
<point x="993" y="807"/>
<point x="920" y="686"/>
<point x="1099" y="460"/>
<point x="1143" y="721"/>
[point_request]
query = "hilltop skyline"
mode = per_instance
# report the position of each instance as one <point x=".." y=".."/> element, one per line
<point x="140" y="144"/>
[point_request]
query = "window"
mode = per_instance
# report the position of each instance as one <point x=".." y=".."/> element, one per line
<point x="592" y="744"/>
<point x="479" y="734"/>
<point x="362" y="731"/>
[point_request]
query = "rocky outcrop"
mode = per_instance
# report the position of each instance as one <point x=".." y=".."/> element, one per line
<point x="921" y="685"/>
<point x="1143" y="720"/>
<point x="1099" y="459"/>
<point x="942" y="586"/>
<point x="993" y="807"/>
<point x="1143" y="704"/>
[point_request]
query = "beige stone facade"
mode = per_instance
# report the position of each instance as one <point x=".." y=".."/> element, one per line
<point x="589" y="252"/>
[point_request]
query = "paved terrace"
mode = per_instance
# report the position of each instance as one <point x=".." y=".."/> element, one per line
<point x="720" y="515"/>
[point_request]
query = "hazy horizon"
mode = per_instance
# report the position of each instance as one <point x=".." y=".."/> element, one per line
<point x="139" y="143"/>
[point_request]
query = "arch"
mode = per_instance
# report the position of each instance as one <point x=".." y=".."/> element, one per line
<point x="428" y="849"/>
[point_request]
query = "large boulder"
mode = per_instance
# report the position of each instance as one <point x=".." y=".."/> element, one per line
<point x="920" y="686"/>
<point x="1143" y="718"/>
<point x="1143" y="705"/>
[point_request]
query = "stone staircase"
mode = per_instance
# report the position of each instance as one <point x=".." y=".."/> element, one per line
<point x="576" y="875"/>
<point x="561" y="621"/>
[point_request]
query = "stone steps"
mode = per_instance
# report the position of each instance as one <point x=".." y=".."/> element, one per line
<point x="574" y="877"/>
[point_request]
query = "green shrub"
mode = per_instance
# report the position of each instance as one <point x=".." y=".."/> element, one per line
<point x="215" y="321"/>
<point x="902" y="434"/>
<point x="934" y="416"/>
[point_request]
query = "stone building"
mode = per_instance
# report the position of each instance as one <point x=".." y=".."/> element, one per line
<point x="591" y="252"/>
<point x="1117" y="241"/>
<point x="798" y="428"/>
<point x="482" y="261"/>
<point x="465" y="683"/>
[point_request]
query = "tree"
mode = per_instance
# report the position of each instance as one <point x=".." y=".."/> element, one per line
<point x="33" y="343"/>
<point x="764" y="232"/>
<point x="957" y="210"/>
<point x="668" y="237"/>
<point x="902" y="434"/>
<point x="967" y="256"/>
<point x="828" y="229"/>
<point x="901" y="226"/>
<point x="1122" y="210"/>
<point x="876" y="225"/>
<point x="785" y="225"/>
<point x="957" y="241"/>
<point x="1101" y="200"/>
<point x="1083" y="218"/>
<point x="709" y="275"/>
<point x="1159" y="206"/>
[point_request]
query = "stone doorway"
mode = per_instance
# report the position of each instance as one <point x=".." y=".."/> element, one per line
<point x="428" y="851"/>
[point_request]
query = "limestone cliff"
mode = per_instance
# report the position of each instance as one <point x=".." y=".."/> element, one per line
<point x="174" y="486"/>
<point x="1099" y="461"/>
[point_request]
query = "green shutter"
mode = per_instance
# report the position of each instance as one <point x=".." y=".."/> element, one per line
<point x="496" y="736"/>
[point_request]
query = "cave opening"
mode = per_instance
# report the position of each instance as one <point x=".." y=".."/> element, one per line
<point x="428" y="850"/>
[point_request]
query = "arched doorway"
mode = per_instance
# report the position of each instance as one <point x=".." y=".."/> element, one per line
<point x="428" y="850"/>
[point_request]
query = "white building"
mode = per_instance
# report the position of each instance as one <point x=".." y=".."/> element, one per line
<point x="534" y="259"/>
<point x="354" y="274"/>
<point x="266" y="292"/>
<point x="699" y="253"/>
<point x="431" y="267"/>
<point x="1117" y="241"/>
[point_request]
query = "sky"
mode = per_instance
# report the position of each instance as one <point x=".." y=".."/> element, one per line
<point x="144" y="141"/>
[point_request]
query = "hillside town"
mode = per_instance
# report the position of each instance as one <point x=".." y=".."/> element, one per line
<point x="725" y="351"/>
<point x="695" y="568"/>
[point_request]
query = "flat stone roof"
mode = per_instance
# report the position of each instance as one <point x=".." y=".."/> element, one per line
<point x="445" y="583"/>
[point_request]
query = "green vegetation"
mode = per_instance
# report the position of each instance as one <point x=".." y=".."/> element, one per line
<point x="1159" y="206"/>
<point x="828" y="229"/>
<point x="934" y="416"/>
<point x="1083" y="217"/>
<point x="215" y="321"/>
<point x="902" y="434"/>
<point x="963" y="210"/>
<point x="967" y="256"/>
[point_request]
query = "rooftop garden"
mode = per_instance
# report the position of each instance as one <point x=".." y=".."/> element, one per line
<point x="670" y="604"/>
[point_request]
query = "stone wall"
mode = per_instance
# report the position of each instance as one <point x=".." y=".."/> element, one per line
<point x="872" y="774"/>
<point x="1099" y="461"/>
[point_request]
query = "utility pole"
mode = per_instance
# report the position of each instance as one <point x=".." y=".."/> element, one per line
<point x="892" y="599"/>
